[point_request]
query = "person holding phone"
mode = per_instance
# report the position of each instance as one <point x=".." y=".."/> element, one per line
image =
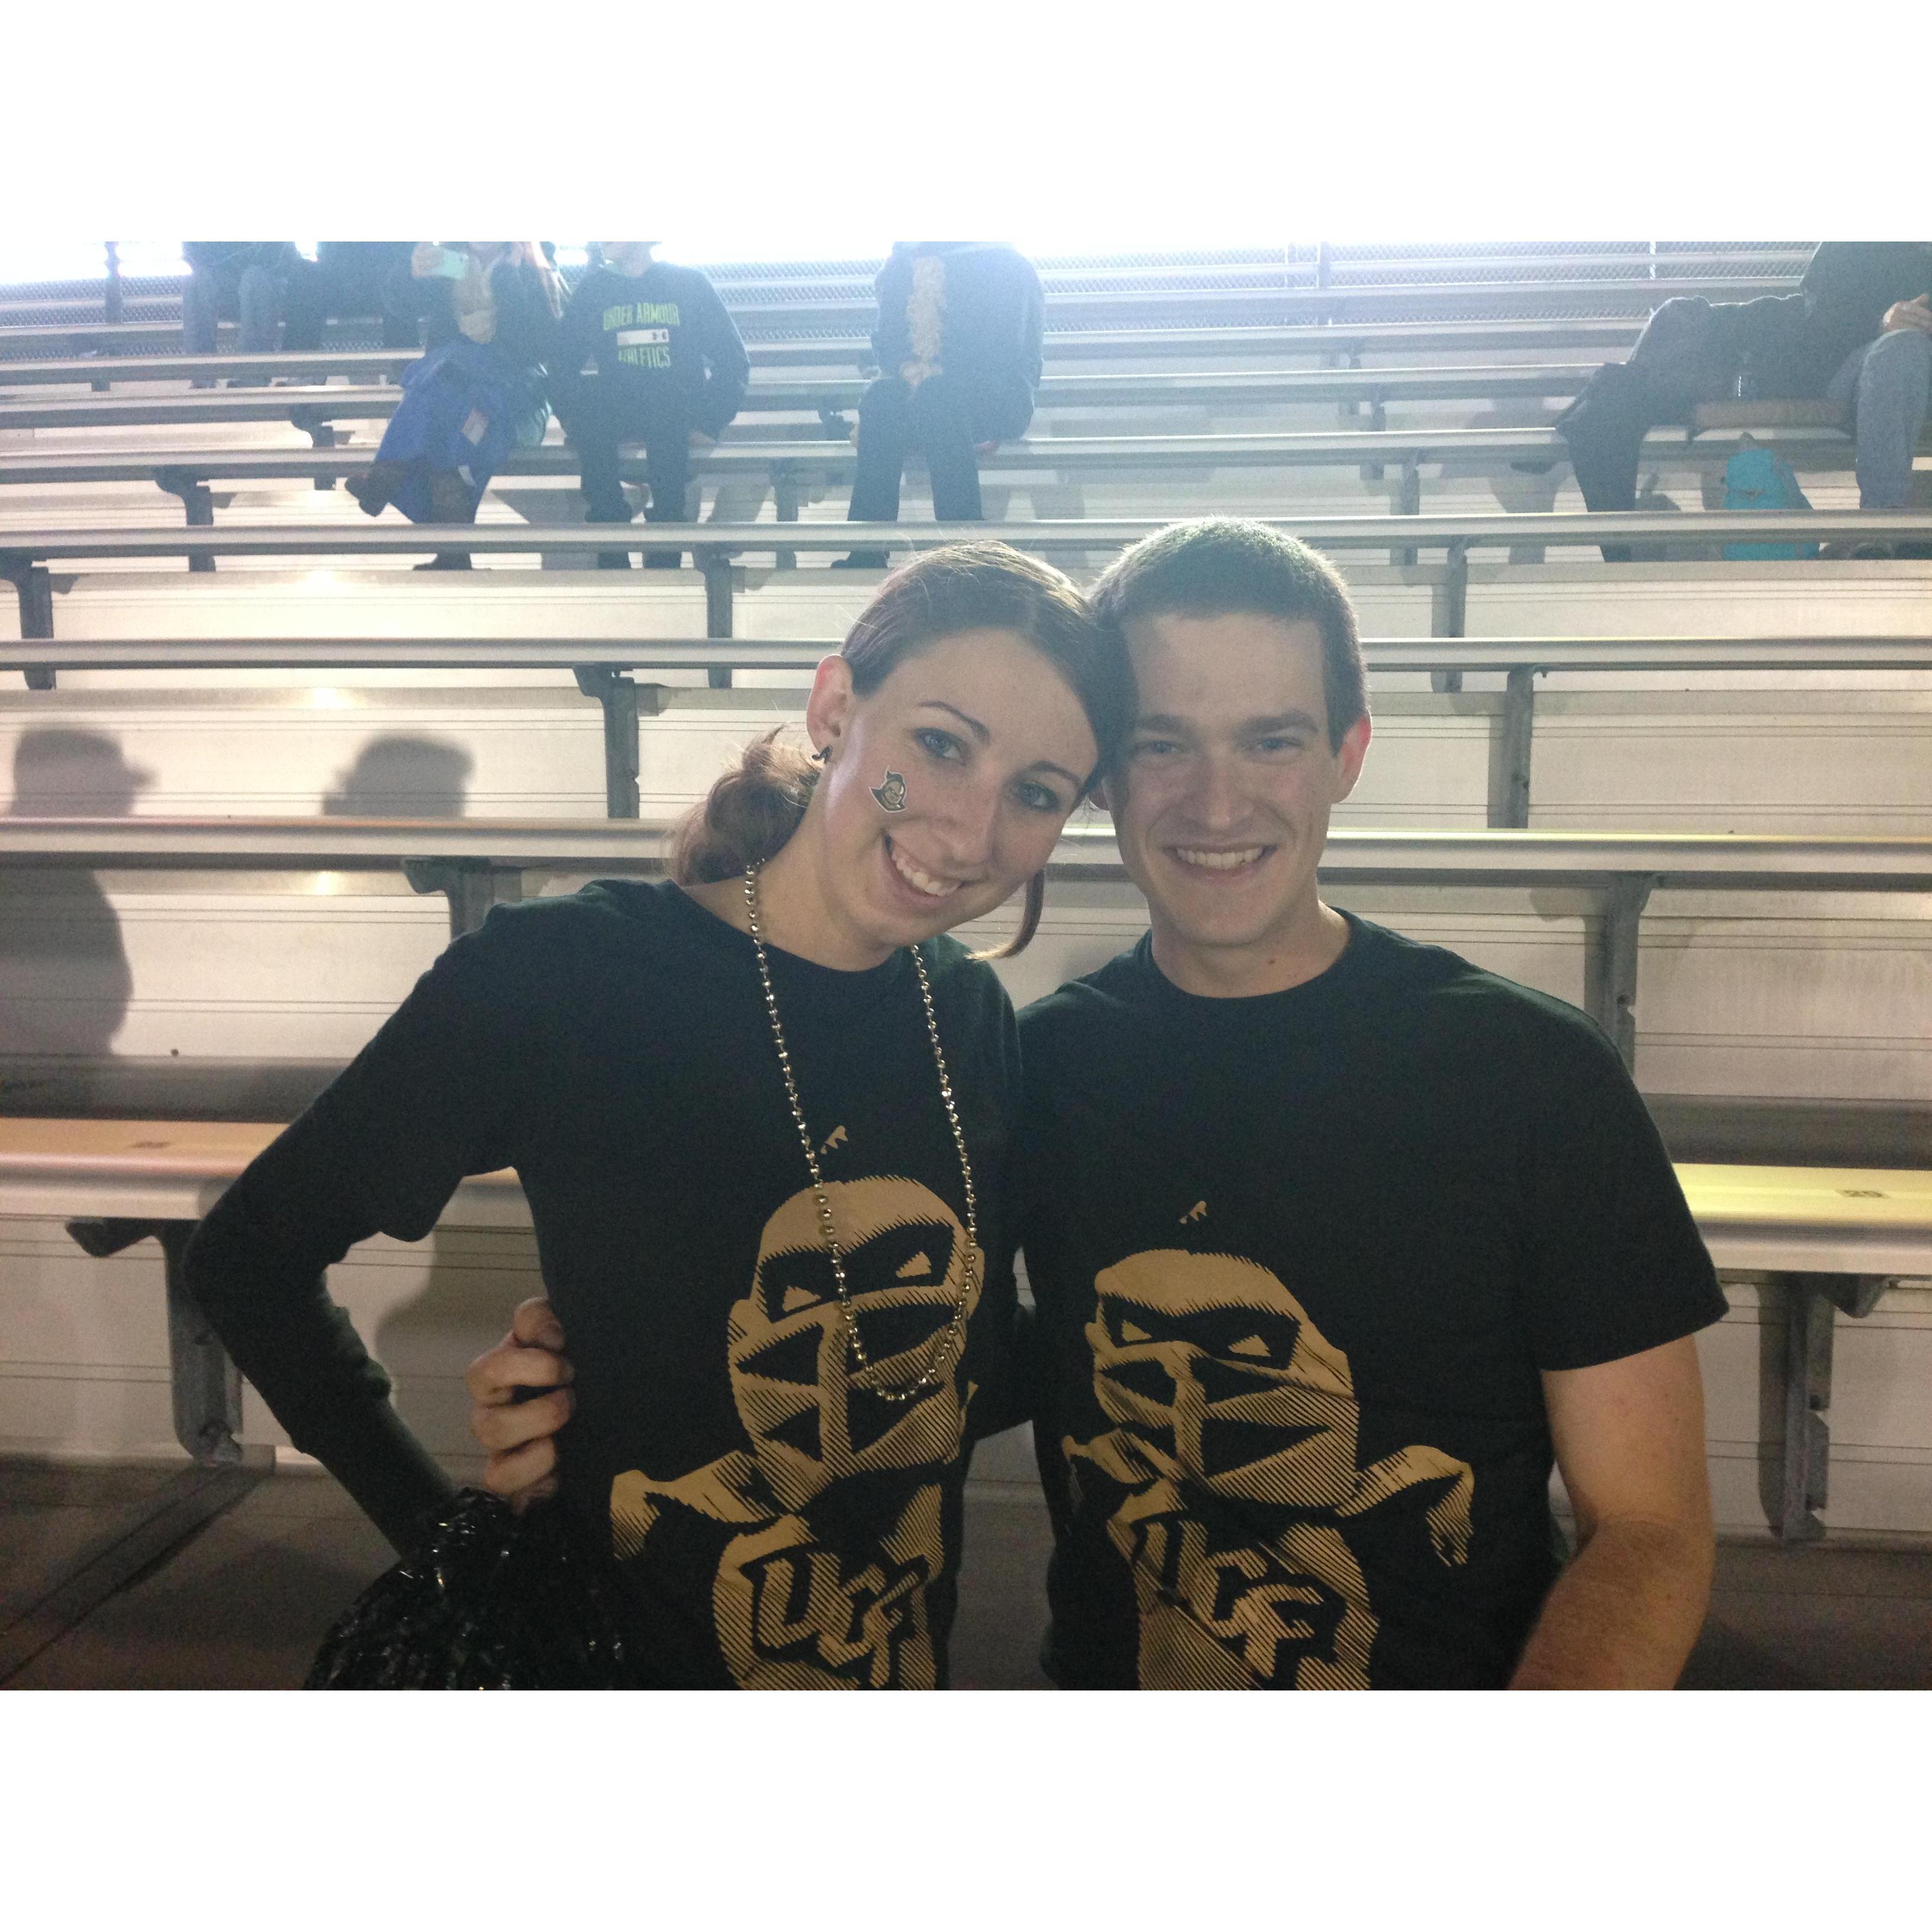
<point x="490" y="311"/>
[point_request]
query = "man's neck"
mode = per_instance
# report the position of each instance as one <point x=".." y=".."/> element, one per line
<point x="1299" y="950"/>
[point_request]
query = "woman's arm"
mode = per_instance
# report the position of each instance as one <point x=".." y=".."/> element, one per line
<point x="436" y="1096"/>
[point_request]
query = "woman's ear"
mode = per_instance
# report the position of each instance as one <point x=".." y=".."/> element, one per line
<point x="828" y="711"/>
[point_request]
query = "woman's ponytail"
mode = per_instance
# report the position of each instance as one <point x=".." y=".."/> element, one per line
<point x="747" y="816"/>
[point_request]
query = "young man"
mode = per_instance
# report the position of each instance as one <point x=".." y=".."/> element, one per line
<point x="671" y="371"/>
<point x="1336" y="1240"/>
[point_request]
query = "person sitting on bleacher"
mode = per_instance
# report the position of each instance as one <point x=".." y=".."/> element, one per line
<point x="671" y="371"/>
<point x="347" y="281"/>
<point x="490" y="311"/>
<point x="958" y="340"/>
<point x="1858" y="332"/>
<point x="758" y="1422"/>
<point x="1338" y="1242"/>
<point x="246" y="279"/>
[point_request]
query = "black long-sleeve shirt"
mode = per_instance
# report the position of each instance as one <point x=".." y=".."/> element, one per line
<point x="663" y="334"/>
<point x="1796" y="343"/>
<point x="776" y="1525"/>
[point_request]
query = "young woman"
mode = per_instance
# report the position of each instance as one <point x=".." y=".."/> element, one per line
<point x="762" y="1115"/>
<point x="491" y="313"/>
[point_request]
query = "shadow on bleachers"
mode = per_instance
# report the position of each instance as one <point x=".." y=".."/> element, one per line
<point x="397" y="776"/>
<point x="65" y="982"/>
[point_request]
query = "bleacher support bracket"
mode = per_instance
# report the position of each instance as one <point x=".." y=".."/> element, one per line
<point x="1811" y="1306"/>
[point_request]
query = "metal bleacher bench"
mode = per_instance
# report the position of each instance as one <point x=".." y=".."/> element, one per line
<point x="103" y="355"/>
<point x="794" y="468"/>
<point x="605" y="670"/>
<point x="25" y="555"/>
<point x="1823" y="1239"/>
<point x="777" y="395"/>
<point x="476" y="863"/>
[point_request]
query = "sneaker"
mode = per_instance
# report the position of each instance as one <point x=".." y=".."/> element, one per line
<point x="613" y="559"/>
<point x="861" y="559"/>
<point x="1846" y="548"/>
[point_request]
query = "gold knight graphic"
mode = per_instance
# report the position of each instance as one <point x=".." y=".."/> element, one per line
<point x="1227" y="1397"/>
<point x="794" y="1609"/>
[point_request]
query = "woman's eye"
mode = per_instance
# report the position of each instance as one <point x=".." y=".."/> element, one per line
<point x="940" y="744"/>
<point x="1040" y="798"/>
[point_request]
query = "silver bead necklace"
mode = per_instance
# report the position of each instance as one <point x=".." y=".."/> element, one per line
<point x="953" y="1334"/>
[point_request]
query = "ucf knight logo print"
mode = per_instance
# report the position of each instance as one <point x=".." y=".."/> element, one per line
<point x="1234" y="1463"/>
<point x="809" y="1593"/>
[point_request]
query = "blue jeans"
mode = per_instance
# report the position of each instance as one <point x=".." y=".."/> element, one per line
<point x="255" y="295"/>
<point x="1881" y="390"/>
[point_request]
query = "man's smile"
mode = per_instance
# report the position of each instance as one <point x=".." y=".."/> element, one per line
<point x="1225" y="861"/>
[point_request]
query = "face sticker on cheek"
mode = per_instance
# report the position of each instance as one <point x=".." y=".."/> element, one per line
<point x="891" y="793"/>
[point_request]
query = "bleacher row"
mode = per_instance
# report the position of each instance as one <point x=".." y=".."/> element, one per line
<point x="260" y="769"/>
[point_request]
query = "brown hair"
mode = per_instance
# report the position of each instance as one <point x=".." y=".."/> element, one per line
<point x="754" y="808"/>
<point x="1219" y="566"/>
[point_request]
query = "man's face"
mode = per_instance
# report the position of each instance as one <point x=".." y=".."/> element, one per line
<point x="1221" y="801"/>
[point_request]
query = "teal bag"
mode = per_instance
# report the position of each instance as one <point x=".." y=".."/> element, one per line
<point x="1757" y="479"/>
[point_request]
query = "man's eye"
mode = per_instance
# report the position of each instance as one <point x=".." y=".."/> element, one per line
<point x="940" y="744"/>
<point x="1278" y="744"/>
<point x="1155" y="748"/>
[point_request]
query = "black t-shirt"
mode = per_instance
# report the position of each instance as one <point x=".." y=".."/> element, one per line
<point x="776" y="1525"/>
<point x="1299" y="1260"/>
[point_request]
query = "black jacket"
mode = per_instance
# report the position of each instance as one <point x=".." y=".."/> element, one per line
<point x="993" y="316"/>
<point x="1793" y="345"/>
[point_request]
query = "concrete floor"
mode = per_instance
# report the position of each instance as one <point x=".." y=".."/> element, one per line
<point x="243" y="1604"/>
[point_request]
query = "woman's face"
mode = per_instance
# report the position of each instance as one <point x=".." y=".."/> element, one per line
<point x="983" y="747"/>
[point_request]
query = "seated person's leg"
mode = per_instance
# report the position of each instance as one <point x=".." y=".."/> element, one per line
<point x="1893" y="382"/>
<point x="451" y="501"/>
<point x="259" y="302"/>
<point x="885" y="434"/>
<point x="943" y="418"/>
<point x="305" y="308"/>
<point x="203" y="301"/>
<point x="594" y="429"/>
<point x="666" y="436"/>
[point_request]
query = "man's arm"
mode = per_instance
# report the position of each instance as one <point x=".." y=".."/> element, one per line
<point x="1630" y="1443"/>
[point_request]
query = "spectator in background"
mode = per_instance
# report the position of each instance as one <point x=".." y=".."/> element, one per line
<point x="671" y="372"/>
<point x="244" y="280"/>
<point x="347" y="280"/>
<point x="1859" y="332"/>
<point x="959" y="338"/>
<point x="490" y="311"/>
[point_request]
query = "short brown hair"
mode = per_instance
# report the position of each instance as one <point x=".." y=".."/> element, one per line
<point x="755" y="808"/>
<point x="1220" y="566"/>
